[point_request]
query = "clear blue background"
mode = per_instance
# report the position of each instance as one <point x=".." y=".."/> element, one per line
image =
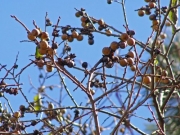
<point x="11" y="33"/>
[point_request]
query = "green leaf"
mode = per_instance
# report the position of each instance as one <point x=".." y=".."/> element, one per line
<point x="37" y="54"/>
<point x="156" y="62"/>
<point x="37" y="102"/>
<point x="173" y="14"/>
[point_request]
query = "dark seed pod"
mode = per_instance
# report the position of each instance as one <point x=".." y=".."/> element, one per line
<point x="71" y="64"/>
<point x="131" y="32"/>
<point x="90" y="41"/>
<point x="105" y="59"/>
<point x="122" y="44"/>
<point x="54" y="46"/>
<point x="109" y="64"/>
<point x="84" y="65"/>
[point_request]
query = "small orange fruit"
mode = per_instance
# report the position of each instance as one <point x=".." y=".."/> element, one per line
<point x="123" y="62"/>
<point x="155" y="22"/>
<point x="131" y="41"/>
<point x="40" y="63"/>
<point x="80" y="37"/>
<point x="131" y="54"/>
<point x="146" y="79"/>
<point x="124" y="36"/>
<point x="133" y="67"/>
<point x="152" y="4"/>
<point x="51" y="51"/>
<point x="101" y="22"/>
<point x="114" y="45"/>
<point x="49" y="68"/>
<point x="163" y="35"/>
<point x="35" y="32"/>
<point x="122" y="44"/>
<point x="31" y="37"/>
<point x="44" y="35"/>
<point x="43" y="44"/>
<point x="70" y="38"/>
<point x="42" y="51"/>
<point x="83" y="19"/>
<point x="64" y="37"/>
<point x="108" y="32"/>
<point x="130" y="61"/>
<point x="106" y="50"/>
<point x="75" y="34"/>
<point x="141" y="12"/>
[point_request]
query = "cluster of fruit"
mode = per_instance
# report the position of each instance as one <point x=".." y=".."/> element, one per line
<point x="153" y="17"/>
<point x="13" y="91"/>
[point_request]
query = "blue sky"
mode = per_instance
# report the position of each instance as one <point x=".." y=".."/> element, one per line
<point x="11" y="33"/>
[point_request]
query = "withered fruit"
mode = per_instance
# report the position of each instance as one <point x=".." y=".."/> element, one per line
<point x="106" y="50"/>
<point x="152" y="17"/>
<point x="164" y="73"/>
<point x="83" y="19"/>
<point x="115" y="58"/>
<point x="163" y="35"/>
<point x="123" y="62"/>
<point x="90" y="41"/>
<point x="44" y="35"/>
<point x="101" y="22"/>
<point x="108" y="32"/>
<point x="43" y="44"/>
<point x="130" y="61"/>
<point x="92" y="91"/>
<point x="35" y="32"/>
<point x="105" y="59"/>
<point x="168" y="24"/>
<point x="85" y="65"/>
<point x="40" y="63"/>
<point x="70" y="38"/>
<point x="122" y="44"/>
<point x="17" y="114"/>
<point x="42" y="51"/>
<point x="51" y="51"/>
<point x="152" y="4"/>
<point x="49" y="68"/>
<point x="31" y="37"/>
<point x="131" y="41"/>
<point x="155" y="22"/>
<point x="78" y="14"/>
<point x="133" y="67"/>
<point x="84" y="24"/>
<point x="131" y="32"/>
<point x="131" y="54"/>
<point x="109" y="64"/>
<point x="54" y="45"/>
<point x="124" y="36"/>
<point x="141" y="12"/>
<point x="147" y="0"/>
<point x="64" y="36"/>
<point x="75" y="34"/>
<point x="79" y="37"/>
<point x="146" y="79"/>
<point x="155" y="27"/>
<point x="114" y="45"/>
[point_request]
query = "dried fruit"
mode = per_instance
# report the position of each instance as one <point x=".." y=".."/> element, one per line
<point x="90" y="41"/>
<point x="168" y="24"/>
<point x="114" y="45"/>
<point x="44" y="35"/>
<point x="31" y="37"/>
<point x="133" y="67"/>
<point x="152" y="4"/>
<point x="108" y="32"/>
<point x="70" y="38"/>
<point x="131" y="41"/>
<point x="122" y="44"/>
<point x="155" y="22"/>
<point x="64" y="37"/>
<point x="84" y="65"/>
<point x="130" y="61"/>
<point x="83" y="19"/>
<point x="42" y="51"/>
<point x="54" y="46"/>
<point x="152" y="17"/>
<point x="80" y="37"/>
<point x="40" y="63"/>
<point x="131" y="54"/>
<point x="75" y="34"/>
<point x="43" y="44"/>
<point x="35" y="32"/>
<point x="123" y="62"/>
<point x="146" y="79"/>
<point x="163" y="35"/>
<point x="124" y="36"/>
<point x="101" y="22"/>
<point x="141" y="12"/>
<point x="106" y="50"/>
<point x="51" y="51"/>
<point x="17" y="114"/>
